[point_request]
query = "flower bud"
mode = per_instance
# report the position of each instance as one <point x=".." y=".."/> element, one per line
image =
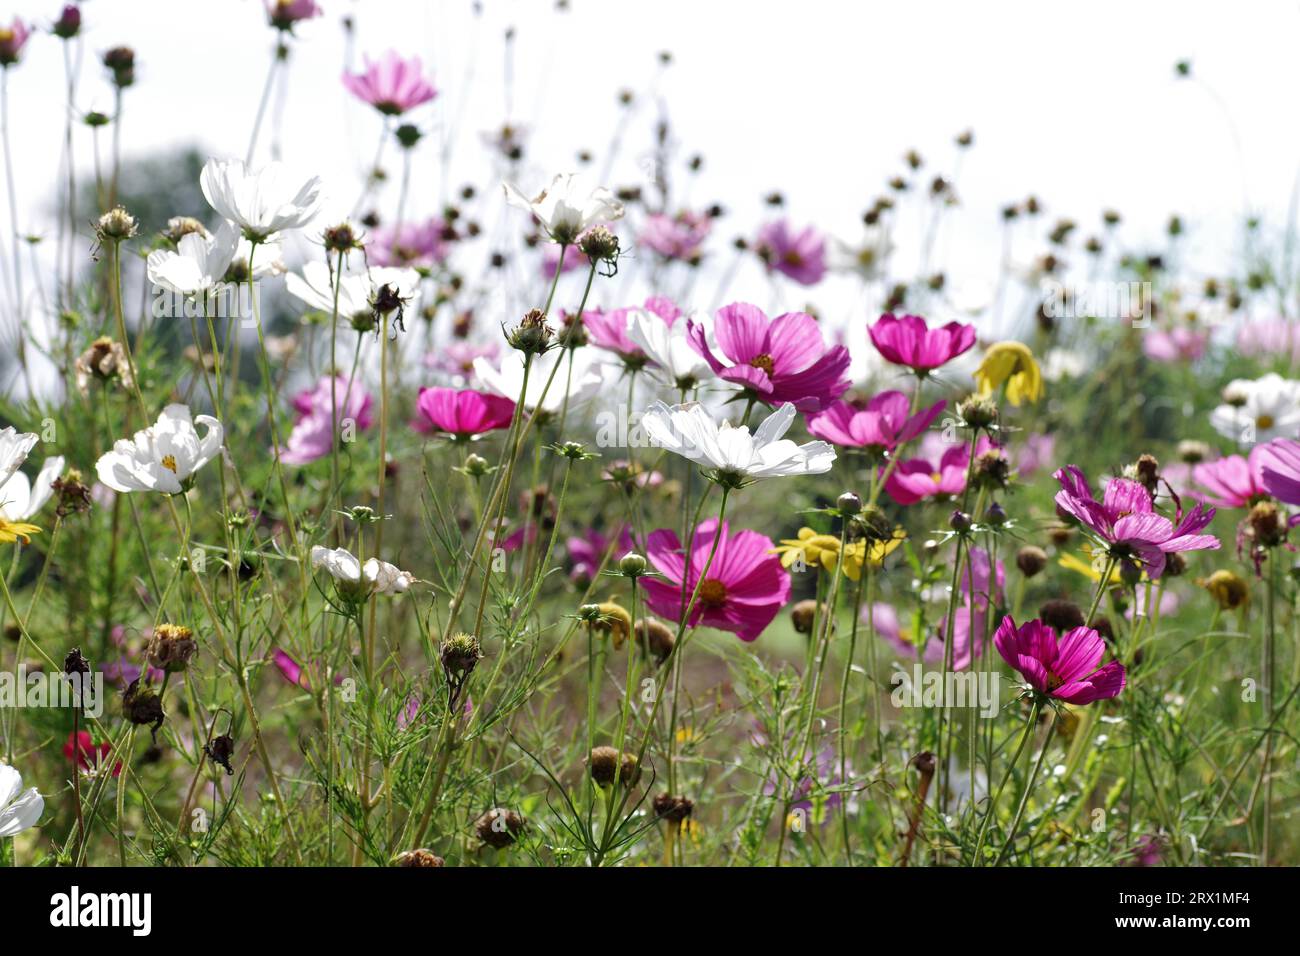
<point x="849" y="504"/>
<point x="995" y="515"/>
<point x="1230" y="590"/>
<point x="532" y="335"/>
<point x="599" y="245"/>
<point x="1267" y="526"/>
<point x="632" y="565"/>
<point x="1031" y="560"/>
<point x="476" y="466"/>
<point x="1061" y="615"/>
<point x="69" y="23"/>
<point x="605" y="762"/>
<point x="978" y="412"/>
<point x="655" y="638"/>
<point x="420" y="857"/>
<point x="959" y="521"/>
<point x="120" y="62"/>
<point x="408" y="135"/>
<point x="499" y="828"/>
<point x="341" y="238"/>
<point x="116" y="225"/>
<point x="803" y="614"/>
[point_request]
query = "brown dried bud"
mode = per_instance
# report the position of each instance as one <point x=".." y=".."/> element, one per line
<point x="140" y="705"/>
<point x="1061" y="615"/>
<point x="1031" y="560"/>
<point x="171" y="647"/>
<point x="104" y="361"/>
<point x="803" y="614"/>
<point x="221" y="751"/>
<point x="1267" y="526"/>
<point x="605" y="762"/>
<point x="499" y="828"/>
<point x="674" y="809"/>
<point x="460" y="653"/>
<point x="75" y="663"/>
<point x="655" y="638"/>
<point x="420" y="857"/>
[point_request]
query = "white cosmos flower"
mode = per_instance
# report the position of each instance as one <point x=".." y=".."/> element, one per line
<point x="735" y="455"/>
<point x="866" y="259"/>
<point x="14" y="447"/>
<point x="20" y="499"/>
<point x="568" y="207"/>
<point x="507" y="379"/>
<point x="315" y="287"/>
<point x="163" y="456"/>
<point x="263" y="202"/>
<point x="18" y="809"/>
<point x="357" y="580"/>
<point x="679" y="366"/>
<point x="198" y="265"/>
<point x="1263" y="409"/>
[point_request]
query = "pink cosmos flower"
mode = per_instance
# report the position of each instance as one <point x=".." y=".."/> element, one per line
<point x="920" y="478"/>
<point x="283" y="14"/>
<point x="573" y="259"/>
<point x="1178" y="344"/>
<point x="312" y="436"/>
<point x="1233" y="482"/>
<point x="1066" y="669"/>
<point x="882" y="425"/>
<point x="410" y="244"/>
<point x="12" y="40"/>
<point x="608" y="330"/>
<point x="391" y="85"/>
<point x="290" y="669"/>
<point x="461" y="413"/>
<point x="1036" y="453"/>
<point x="1280" y="474"/>
<point x="457" y="358"/>
<point x="1270" y="338"/>
<point x="907" y="340"/>
<point x="800" y="256"/>
<point x="587" y="550"/>
<point x="745" y="587"/>
<point x="676" y="237"/>
<point x="775" y="360"/>
<point x="1125" y="520"/>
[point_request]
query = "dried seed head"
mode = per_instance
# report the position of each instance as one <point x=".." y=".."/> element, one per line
<point x="803" y="614"/>
<point x="1229" y="589"/>
<point x="171" y="647"/>
<point x="116" y="225"/>
<point x="499" y="828"/>
<point x="140" y="705"/>
<point x="612" y="619"/>
<point x="1031" y="560"/>
<point x="599" y="245"/>
<point x="460" y="653"/>
<point x="420" y="857"/>
<point x="178" y="227"/>
<point x="532" y="335"/>
<point x="655" y="638"/>
<point x="605" y="763"/>
<point x="1061" y="615"/>
<point x="1267" y="525"/>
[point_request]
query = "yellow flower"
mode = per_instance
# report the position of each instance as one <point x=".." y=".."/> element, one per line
<point x="1230" y="590"/>
<point x="13" y="530"/>
<point x="1012" y="364"/>
<point x="823" y="550"/>
<point x="1090" y="568"/>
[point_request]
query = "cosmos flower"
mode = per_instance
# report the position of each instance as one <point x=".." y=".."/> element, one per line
<point x="882" y="425"/>
<point x="907" y="340"/>
<point x="676" y="237"/>
<point x="775" y="360"/>
<point x="1280" y="470"/>
<point x="917" y="479"/>
<point x="14" y="449"/>
<point x="21" y="499"/>
<point x="203" y="262"/>
<point x="461" y="413"/>
<point x="675" y="362"/>
<point x="262" y="203"/>
<point x="19" y="809"/>
<point x="1010" y="364"/>
<point x="1180" y="343"/>
<point x="392" y="85"/>
<point x="1065" y="668"/>
<point x="12" y="40"/>
<point x="798" y="255"/>
<point x="357" y="290"/>
<point x="1126" y="522"/>
<point x="283" y="14"/>
<point x="734" y="456"/>
<point x="568" y="207"/>
<point x="164" y="456"/>
<point x="1234" y="481"/>
<point x="1259" y="410"/>
<point x="1270" y="338"/>
<point x="415" y="244"/>
<point x="507" y="379"/>
<point x="82" y="750"/>
<point x="313" y="434"/>
<point x="744" y="589"/>
<point x="823" y="550"/>
<point x="356" y="581"/>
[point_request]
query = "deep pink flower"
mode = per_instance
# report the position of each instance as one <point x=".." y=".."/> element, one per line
<point x="1125" y="520"/>
<point x="411" y="244"/>
<point x="1280" y="473"/>
<point x="290" y="669"/>
<point x="978" y="583"/>
<point x="1066" y="669"/>
<point x="676" y="237"/>
<point x="81" y="748"/>
<point x="12" y="40"/>
<point x="885" y="620"/>
<point x="588" y="550"/>
<point x="775" y="360"/>
<point x="907" y="340"/>
<point x="283" y="14"/>
<point x="312" y="436"/>
<point x="919" y="478"/>
<point x="1179" y="344"/>
<point x="1038" y="451"/>
<point x="461" y="413"/>
<point x="1233" y="481"/>
<point x="800" y="256"/>
<point x="882" y="425"/>
<point x="744" y="589"/>
<point x="391" y="85"/>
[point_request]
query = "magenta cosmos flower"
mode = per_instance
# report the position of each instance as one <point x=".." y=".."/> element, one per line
<point x="743" y="591"/>
<point x="1280" y="473"/>
<point x="461" y="413"/>
<point x="12" y="40"/>
<point x="1125" y="520"/>
<point x="391" y="85"/>
<point x="882" y="425"/>
<point x="798" y="255"/>
<point x="1233" y="481"/>
<point x="608" y="330"/>
<point x="775" y="360"/>
<point x="410" y="244"/>
<point x="920" y="478"/>
<point x="312" y="436"/>
<point x="907" y="340"/>
<point x="283" y="14"/>
<point x="885" y="621"/>
<point x="1066" y="669"/>
<point x="676" y="237"/>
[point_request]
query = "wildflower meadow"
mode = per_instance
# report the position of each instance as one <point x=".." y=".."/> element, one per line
<point x="531" y="503"/>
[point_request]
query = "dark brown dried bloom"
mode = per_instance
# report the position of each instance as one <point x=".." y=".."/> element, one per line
<point x="420" y="857"/>
<point x="1061" y="615"/>
<point x="499" y="828"/>
<point x="1031" y="560"/>
<point x="171" y="647"/>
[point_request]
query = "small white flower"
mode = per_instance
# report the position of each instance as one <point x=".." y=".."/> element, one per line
<point x="163" y="456"/>
<point x="198" y="265"/>
<point x="357" y="581"/>
<point x="1259" y="410"/>
<point x="508" y="379"/>
<point x="865" y="260"/>
<point x="736" y="456"/>
<point x="14" y="448"/>
<point x="261" y="203"/>
<point x="20" y="499"/>
<point x="18" y="810"/>
<point x="568" y="207"/>
<point x="315" y="287"/>
<point x="677" y="363"/>
<point x="1061" y="363"/>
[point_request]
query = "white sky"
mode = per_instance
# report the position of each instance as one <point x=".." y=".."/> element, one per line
<point x="1075" y="103"/>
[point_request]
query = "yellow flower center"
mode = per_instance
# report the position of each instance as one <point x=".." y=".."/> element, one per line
<point x="169" y="462"/>
<point x="764" y="362"/>
<point x="936" y="476"/>
<point x="1264" y="421"/>
<point x="713" y="593"/>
